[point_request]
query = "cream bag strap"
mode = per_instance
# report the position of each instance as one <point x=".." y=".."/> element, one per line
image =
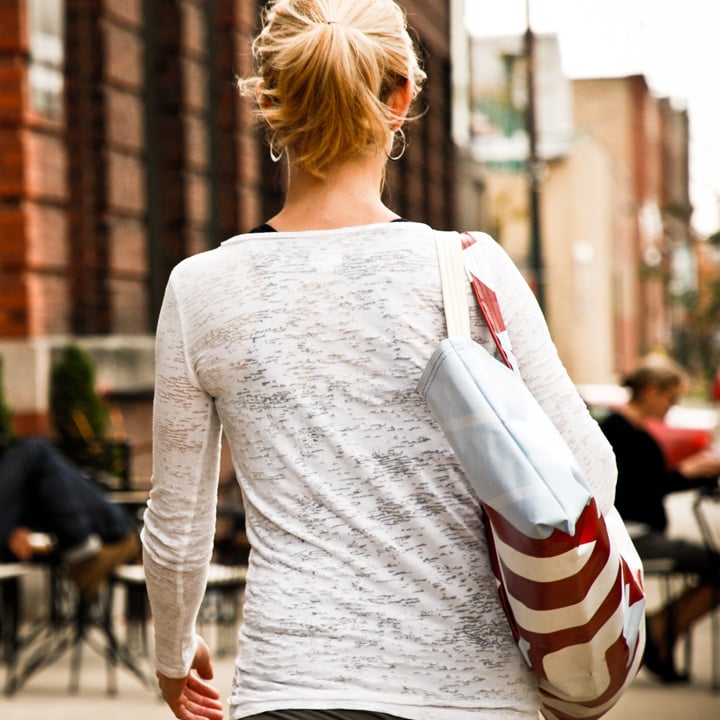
<point x="454" y="283"/>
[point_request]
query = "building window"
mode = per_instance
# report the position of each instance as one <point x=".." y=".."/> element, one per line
<point x="47" y="56"/>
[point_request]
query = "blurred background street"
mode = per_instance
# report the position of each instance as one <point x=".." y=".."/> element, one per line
<point x="576" y="132"/>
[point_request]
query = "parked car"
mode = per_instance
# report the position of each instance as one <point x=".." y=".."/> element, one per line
<point x="685" y="430"/>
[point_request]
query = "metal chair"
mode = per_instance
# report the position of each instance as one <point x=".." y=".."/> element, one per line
<point x="10" y="576"/>
<point x="220" y="609"/>
<point x="222" y="604"/>
<point x="71" y="624"/>
<point x="671" y="581"/>
<point x="707" y="512"/>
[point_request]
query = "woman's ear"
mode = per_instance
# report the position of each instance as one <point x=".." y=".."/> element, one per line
<point x="399" y="104"/>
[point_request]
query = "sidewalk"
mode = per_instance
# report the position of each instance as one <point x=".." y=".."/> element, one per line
<point x="46" y="696"/>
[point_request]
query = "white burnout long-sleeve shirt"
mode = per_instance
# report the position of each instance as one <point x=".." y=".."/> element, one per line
<point x="369" y="585"/>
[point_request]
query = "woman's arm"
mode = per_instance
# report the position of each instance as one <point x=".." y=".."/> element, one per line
<point x="701" y="469"/>
<point x="179" y="522"/>
<point x="545" y="375"/>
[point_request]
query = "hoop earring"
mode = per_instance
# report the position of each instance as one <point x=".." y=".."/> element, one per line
<point x="275" y="157"/>
<point x="403" y="147"/>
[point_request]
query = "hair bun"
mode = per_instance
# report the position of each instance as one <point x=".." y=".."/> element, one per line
<point x="323" y="94"/>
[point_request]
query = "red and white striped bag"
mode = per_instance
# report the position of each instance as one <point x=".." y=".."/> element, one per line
<point x="569" y="578"/>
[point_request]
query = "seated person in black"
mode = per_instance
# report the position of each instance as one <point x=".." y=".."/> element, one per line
<point x="643" y="482"/>
<point x="40" y="491"/>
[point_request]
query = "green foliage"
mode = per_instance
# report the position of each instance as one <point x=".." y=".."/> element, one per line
<point x="81" y="419"/>
<point x="698" y="346"/>
<point x="77" y="412"/>
<point x="681" y="211"/>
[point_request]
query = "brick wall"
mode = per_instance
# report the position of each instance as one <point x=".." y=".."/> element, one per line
<point x="156" y="157"/>
<point x="14" y="320"/>
<point x="152" y="156"/>
<point x="624" y="117"/>
<point x="421" y="186"/>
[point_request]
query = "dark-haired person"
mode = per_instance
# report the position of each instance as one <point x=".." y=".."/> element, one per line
<point x="369" y="590"/>
<point x="42" y="492"/>
<point x="644" y="480"/>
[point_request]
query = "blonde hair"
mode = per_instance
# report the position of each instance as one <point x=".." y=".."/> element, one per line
<point x="324" y="71"/>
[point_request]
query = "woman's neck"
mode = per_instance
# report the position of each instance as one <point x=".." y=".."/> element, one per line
<point x="634" y="413"/>
<point x="349" y="195"/>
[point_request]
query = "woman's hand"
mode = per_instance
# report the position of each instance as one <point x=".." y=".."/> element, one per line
<point x="702" y="464"/>
<point x="191" y="698"/>
<point x="19" y="543"/>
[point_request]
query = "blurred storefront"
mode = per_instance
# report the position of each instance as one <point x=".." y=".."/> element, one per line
<point x="614" y="201"/>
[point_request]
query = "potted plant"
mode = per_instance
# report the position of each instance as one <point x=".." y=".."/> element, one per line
<point x="80" y="418"/>
<point x="6" y="431"/>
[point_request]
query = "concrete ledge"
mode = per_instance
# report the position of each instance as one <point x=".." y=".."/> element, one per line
<point x="124" y="364"/>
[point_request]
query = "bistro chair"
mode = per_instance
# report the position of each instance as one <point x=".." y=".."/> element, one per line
<point x="707" y="512"/>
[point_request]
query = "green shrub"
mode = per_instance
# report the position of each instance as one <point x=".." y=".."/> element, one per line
<point x="6" y="431"/>
<point x="80" y="419"/>
<point x="77" y="412"/>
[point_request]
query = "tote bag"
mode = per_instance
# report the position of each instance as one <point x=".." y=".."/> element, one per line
<point x="569" y="578"/>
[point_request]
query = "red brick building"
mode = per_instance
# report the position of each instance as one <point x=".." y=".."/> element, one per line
<point x="124" y="147"/>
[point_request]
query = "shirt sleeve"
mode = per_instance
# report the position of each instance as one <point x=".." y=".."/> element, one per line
<point x="179" y="522"/>
<point x="546" y="377"/>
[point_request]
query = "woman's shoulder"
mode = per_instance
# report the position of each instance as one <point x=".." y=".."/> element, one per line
<point x="614" y="417"/>
<point x="197" y="263"/>
<point x="616" y="426"/>
<point x="217" y="257"/>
